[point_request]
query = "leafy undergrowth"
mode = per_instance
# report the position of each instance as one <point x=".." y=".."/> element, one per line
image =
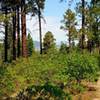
<point x="64" y="72"/>
<point x="44" y="92"/>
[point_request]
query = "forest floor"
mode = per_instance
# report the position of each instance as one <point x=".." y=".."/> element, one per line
<point x="92" y="94"/>
<point x="97" y="93"/>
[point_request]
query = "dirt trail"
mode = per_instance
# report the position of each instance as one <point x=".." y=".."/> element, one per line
<point x="97" y="92"/>
<point x="93" y="94"/>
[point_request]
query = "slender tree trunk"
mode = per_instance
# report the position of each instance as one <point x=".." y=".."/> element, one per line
<point x="90" y="45"/>
<point x="69" y="33"/>
<point x="40" y="30"/>
<point x="6" y="39"/>
<point x="14" y="34"/>
<point x="83" y="24"/>
<point x="23" y="23"/>
<point x="18" y="33"/>
<point x="69" y="39"/>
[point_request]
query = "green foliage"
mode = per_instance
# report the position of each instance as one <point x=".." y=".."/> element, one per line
<point x="54" y="68"/>
<point x="44" y="92"/>
<point x="63" y="48"/>
<point x="6" y="82"/>
<point x="92" y="15"/>
<point x="30" y="45"/>
<point x="95" y="14"/>
<point x="1" y="17"/>
<point x="81" y="66"/>
<point x="78" y="88"/>
<point x="33" y="7"/>
<point x="69" y="22"/>
<point x="48" y="75"/>
<point x="49" y="42"/>
<point x="1" y="49"/>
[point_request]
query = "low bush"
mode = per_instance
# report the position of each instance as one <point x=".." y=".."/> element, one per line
<point x="57" y="69"/>
<point x="81" y="66"/>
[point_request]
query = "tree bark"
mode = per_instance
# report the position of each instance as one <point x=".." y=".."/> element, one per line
<point x="18" y="33"/>
<point x="14" y="34"/>
<point x="40" y="30"/>
<point x="23" y="26"/>
<point x="6" y="38"/>
<point x="83" y="24"/>
<point x="69" y="35"/>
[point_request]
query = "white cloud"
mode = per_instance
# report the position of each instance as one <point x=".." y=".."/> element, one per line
<point x="52" y="24"/>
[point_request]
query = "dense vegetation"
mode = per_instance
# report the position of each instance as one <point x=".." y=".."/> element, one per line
<point x="60" y="74"/>
<point x="53" y="73"/>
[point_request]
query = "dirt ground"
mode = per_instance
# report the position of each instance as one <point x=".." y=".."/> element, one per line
<point x="90" y="95"/>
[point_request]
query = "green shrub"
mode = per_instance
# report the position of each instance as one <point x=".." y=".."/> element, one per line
<point x="81" y="66"/>
<point x="55" y="68"/>
<point x="44" y="92"/>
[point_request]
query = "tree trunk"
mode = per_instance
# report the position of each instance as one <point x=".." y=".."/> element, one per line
<point x="6" y="39"/>
<point x="23" y="23"/>
<point x="90" y="45"/>
<point x="83" y="24"/>
<point x="18" y="33"/>
<point x="14" y="34"/>
<point x="40" y="30"/>
<point x="69" y="40"/>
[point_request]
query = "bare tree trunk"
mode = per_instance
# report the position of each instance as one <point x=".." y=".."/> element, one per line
<point x="40" y="30"/>
<point x="90" y="45"/>
<point x="69" y="40"/>
<point x="6" y="38"/>
<point x="18" y="33"/>
<point x="83" y="24"/>
<point x="23" y="23"/>
<point x="14" y="34"/>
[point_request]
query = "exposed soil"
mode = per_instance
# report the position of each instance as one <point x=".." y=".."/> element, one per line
<point x="92" y="94"/>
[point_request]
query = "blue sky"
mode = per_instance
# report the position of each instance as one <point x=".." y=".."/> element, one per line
<point x="53" y="14"/>
<point x="56" y="8"/>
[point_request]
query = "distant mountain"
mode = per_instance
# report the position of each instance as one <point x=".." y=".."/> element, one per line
<point x="37" y="45"/>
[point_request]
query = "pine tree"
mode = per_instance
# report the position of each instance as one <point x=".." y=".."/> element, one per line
<point x="6" y="38"/>
<point x="14" y="33"/>
<point x="83" y="24"/>
<point x="36" y="7"/>
<point x="30" y="45"/>
<point x="69" y="22"/>
<point x="48" y="42"/>
<point x="23" y="27"/>
<point x="18" y="32"/>
<point x="95" y="14"/>
<point x="9" y="6"/>
<point x="4" y="8"/>
<point x="63" y="48"/>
